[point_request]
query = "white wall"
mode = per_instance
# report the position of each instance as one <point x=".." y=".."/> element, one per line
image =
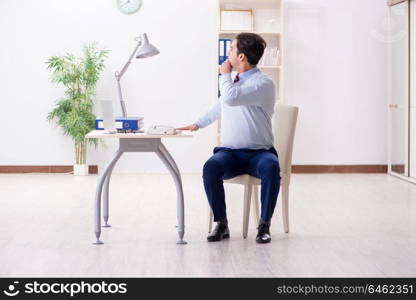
<point x="175" y="87"/>
<point x="336" y="63"/>
<point x="335" y="73"/>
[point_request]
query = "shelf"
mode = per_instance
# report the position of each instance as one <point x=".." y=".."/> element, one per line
<point x="265" y="67"/>
<point x="268" y="22"/>
<point x="260" y="33"/>
<point x="250" y="4"/>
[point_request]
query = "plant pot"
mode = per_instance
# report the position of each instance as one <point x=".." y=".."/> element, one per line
<point x="80" y="170"/>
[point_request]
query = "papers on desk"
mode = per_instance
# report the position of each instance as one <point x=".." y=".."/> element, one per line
<point x="162" y="130"/>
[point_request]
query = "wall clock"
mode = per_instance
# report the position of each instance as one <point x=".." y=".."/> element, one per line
<point x="129" y="6"/>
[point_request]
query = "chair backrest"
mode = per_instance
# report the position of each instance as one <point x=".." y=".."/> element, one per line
<point x="284" y="125"/>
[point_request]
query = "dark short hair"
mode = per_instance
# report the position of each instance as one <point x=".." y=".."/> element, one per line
<point x="252" y="45"/>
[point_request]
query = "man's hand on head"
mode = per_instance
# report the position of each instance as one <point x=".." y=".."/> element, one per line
<point x="226" y="67"/>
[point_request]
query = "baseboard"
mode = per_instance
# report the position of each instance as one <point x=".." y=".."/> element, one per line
<point x="93" y="169"/>
<point x="339" y="168"/>
<point x="295" y="169"/>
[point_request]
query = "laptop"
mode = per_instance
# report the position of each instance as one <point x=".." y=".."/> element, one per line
<point x="108" y="116"/>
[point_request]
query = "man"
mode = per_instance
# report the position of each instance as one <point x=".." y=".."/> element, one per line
<point x="245" y="107"/>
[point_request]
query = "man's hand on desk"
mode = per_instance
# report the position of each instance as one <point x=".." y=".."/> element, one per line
<point x="192" y="127"/>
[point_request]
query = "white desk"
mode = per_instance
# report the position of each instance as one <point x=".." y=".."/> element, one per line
<point x="136" y="142"/>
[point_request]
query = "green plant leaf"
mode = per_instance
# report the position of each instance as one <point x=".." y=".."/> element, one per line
<point x="79" y="75"/>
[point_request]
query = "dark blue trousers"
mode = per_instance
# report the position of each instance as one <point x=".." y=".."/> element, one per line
<point x="227" y="163"/>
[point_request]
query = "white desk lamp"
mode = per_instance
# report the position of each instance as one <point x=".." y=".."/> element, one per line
<point x="143" y="50"/>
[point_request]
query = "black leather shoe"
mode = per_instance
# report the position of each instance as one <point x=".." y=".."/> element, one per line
<point x="263" y="233"/>
<point x="220" y="232"/>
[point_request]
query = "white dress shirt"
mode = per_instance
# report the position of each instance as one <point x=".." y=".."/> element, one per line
<point x="245" y="108"/>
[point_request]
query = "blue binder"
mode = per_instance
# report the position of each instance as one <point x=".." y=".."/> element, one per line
<point x="223" y="47"/>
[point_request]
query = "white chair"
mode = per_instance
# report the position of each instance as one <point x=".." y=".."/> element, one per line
<point x="284" y="125"/>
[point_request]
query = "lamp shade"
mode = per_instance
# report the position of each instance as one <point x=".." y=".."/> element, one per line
<point x="146" y="49"/>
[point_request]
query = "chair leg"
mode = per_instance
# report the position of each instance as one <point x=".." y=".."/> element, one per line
<point x="285" y="207"/>
<point x="256" y="213"/>
<point x="246" y="213"/>
<point x="210" y="219"/>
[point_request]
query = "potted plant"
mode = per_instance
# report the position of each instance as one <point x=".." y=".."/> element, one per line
<point x="74" y="112"/>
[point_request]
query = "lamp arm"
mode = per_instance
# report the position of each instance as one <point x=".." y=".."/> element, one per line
<point x="118" y="76"/>
<point x="120" y="96"/>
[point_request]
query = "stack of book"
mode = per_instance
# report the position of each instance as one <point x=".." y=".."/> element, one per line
<point x="271" y="57"/>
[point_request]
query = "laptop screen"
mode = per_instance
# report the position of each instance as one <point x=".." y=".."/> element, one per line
<point x="108" y="116"/>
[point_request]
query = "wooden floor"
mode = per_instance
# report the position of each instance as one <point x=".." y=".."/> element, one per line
<point x="345" y="225"/>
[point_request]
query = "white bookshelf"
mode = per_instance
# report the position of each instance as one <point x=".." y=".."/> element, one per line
<point x="222" y="32"/>
<point x="268" y="16"/>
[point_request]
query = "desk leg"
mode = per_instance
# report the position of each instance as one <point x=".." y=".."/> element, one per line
<point x="97" y="206"/>
<point x="170" y="159"/>
<point x="106" y="195"/>
<point x="167" y="159"/>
